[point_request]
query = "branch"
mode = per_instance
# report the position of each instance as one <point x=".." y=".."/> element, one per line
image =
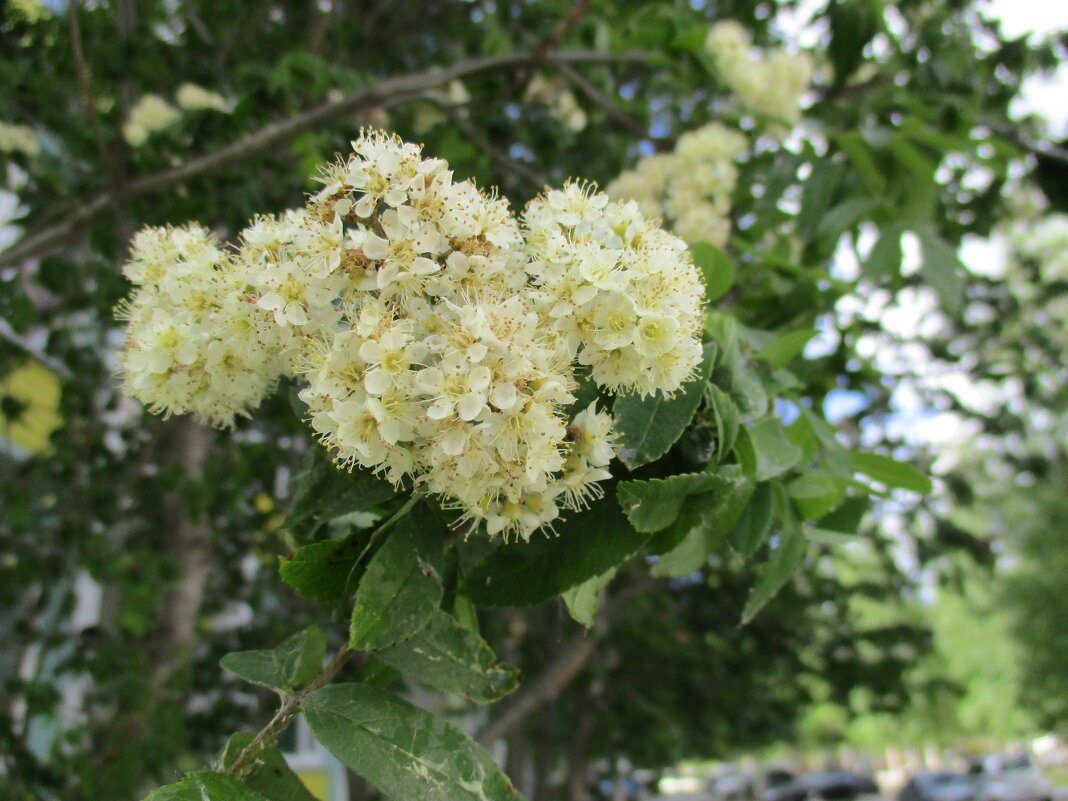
<point x="502" y="159"/>
<point x="588" y="88"/>
<point x="569" y="662"/>
<point x="36" y="243"/>
<point x="294" y="702"/>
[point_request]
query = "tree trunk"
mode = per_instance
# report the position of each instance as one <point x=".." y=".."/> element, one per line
<point x="579" y="748"/>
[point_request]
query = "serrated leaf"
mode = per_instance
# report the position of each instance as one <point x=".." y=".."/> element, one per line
<point x="784" y="349"/>
<point x="583" y="600"/>
<point x="649" y="426"/>
<point x="321" y="570"/>
<point x="943" y="270"/>
<point x="322" y="492"/>
<point x="716" y="267"/>
<point x="205" y="786"/>
<point x="817" y="494"/>
<point x="449" y="657"/>
<point x="783" y="563"/>
<point x="890" y="472"/>
<point x="587" y="544"/>
<point x="404" y="751"/>
<point x="401" y="588"/>
<point x="653" y="505"/>
<point x="775" y="454"/>
<point x="727" y="422"/>
<point x="271" y="776"/>
<point x="292" y="664"/>
<point x="714" y="514"/>
<point x="753" y="523"/>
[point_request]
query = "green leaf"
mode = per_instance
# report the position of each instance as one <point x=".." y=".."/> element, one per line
<point x="745" y="453"/>
<point x="784" y="561"/>
<point x="943" y="270"/>
<point x="449" y="657"/>
<point x="716" y="267"/>
<point x="817" y="494"/>
<point x="653" y="505"/>
<point x="322" y="492"/>
<point x="727" y="423"/>
<point x="847" y="517"/>
<point x="271" y="775"/>
<point x="860" y="153"/>
<point x="753" y="523"/>
<point x="583" y="600"/>
<point x="649" y="426"/>
<point x="404" y="751"/>
<point x="845" y="215"/>
<point x="890" y="472"/>
<point x="587" y="544"/>
<point x="205" y="786"/>
<point x="784" y="349"/>
<point x="401" y="588"/>
<point x="716" y="514"/>
<point x="816" y="196"/>
<point x="775" y="454"/>
<point x="884" y="260"/>
<point x="292" y="664"/>
<point x="321" y="570"/>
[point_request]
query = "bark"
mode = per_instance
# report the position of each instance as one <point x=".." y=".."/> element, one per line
<point x="579" y="747"/>
<point x="188" y="543"/>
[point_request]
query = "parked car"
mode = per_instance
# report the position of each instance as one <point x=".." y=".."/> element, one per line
<point x="749" y="786"/>
<point x="830" y="785"/>
<point x="1009" y="778"/>
<point x="940" y="786"/>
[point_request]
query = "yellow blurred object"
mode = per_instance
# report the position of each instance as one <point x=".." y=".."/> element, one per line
<point x="29" y="407"/>
<point x="317" y="781"/>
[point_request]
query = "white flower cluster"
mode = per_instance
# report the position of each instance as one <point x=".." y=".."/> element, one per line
<point x="690" y="188"/>
<point x="615" y="290"/>
<point x="151" y="113"/>
<point x="560" y="101"/>
<point x="18" y="139"/>
<point x="770" y="82"/>
<point x="192" y="340"/>
<point x="438" y="343"/>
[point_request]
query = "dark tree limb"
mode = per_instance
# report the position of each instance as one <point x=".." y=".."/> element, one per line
<point x="67" y="225"/>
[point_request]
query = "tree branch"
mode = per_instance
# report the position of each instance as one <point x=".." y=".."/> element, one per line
<point x="569" y="662"/>
<point x="68" y="224"/>
<point x="502" y="159"/>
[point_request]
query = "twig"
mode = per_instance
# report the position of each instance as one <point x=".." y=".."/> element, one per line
<point x="85" y="91"/>
<point x="549" y="45"/>
<point x="294" y="702"/>
<point x="588" y="88"/>
<point x="496" y="155"/>
<point x="72" y="221"/>
<point x="9" y="334"/>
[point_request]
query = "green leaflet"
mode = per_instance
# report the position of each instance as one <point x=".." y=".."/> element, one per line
<point x="292" y="664"/>
<point x="775" y="454"/>
<point x="716" y="268"/>
<point x="323" y="491"/>
<point x="649" y="426"/>
<point x="890" y="472"/>
<point x="654" y="505"/>
<point x="583" y="600"/>
<point x="205" y="786"/>
<point x="781" y="565"/>
<point x="401" y="749"/>
<point x="321" y="570"/>
<point x="587" y="544"/>
<point x="401" y="588"/>
<point x="271" y="776"/>
<point x="449" y="657"/>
